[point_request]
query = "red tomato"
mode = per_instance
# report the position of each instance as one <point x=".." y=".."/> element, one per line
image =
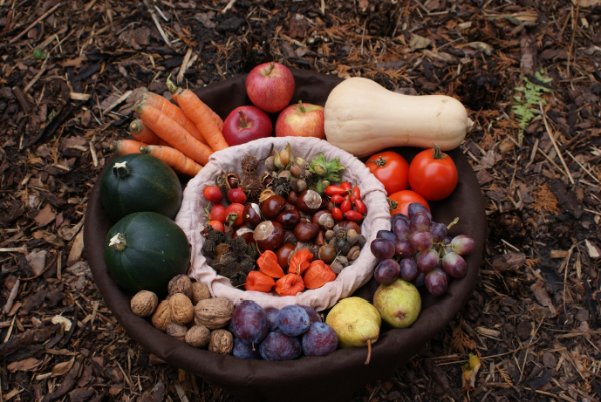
<point x="391" y="169"/>
<point x="212" y="193"/>
<point x="399" y="201"/>
<point x="433" y="174"/>
<point x="235" y="214"/>
<point x="217" y="213"/>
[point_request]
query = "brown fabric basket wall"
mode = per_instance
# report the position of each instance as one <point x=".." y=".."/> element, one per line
<point x="339" y="375"/>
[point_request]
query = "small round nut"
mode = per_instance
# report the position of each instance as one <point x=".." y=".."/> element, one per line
<point x="144" y="303"/>
<point x="200" y="291"/>
<point x="182" y="309"/>
<point x="176" y="330"/>
<point x="336" y="266"/>
<point x="222" y="341"/>
<point x="353" y="253"/>
<point x="180" y="284"/>
<point x="198" y="336"/>
<point x="162" y="315"/>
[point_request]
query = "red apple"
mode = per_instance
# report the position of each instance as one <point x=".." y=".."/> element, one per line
<point x="246" y="123"/>
<point x="270" y="86"/>
<point x="300" y="120"/>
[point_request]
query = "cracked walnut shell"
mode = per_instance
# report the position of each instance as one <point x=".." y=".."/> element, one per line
<point x="222" y="341"/>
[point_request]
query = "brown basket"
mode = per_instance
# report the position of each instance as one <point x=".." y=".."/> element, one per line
<point x="335" y="377"/>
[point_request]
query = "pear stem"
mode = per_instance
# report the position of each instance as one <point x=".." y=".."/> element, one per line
<point x="368" y="358"/>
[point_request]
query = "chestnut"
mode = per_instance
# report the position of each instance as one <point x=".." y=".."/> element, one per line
<point x="283" y="253"/>
<point x="245" y="233"/>
<point x="271" y="207"/>
<point x="292" y="197"/>
<point x="324" y="219"/>
<point x="289" y="237"/>
<point x="252" y="214"/>
<point x="309" y="201"/>
<point x="269" y="235"/>
<point x="305" y="231"/>
<point x="347" y="225"/>
<point x="289" y="218"/>
<point x="327" y="253"/>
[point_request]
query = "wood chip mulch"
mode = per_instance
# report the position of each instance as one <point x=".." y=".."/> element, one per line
<point x="531" y="330"/>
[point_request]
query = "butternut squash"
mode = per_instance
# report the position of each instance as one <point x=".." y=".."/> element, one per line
<point x="362" y="117"/>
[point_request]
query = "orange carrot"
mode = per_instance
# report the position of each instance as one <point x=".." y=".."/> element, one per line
<point x="140" y="132"/>
<point x="127" y="146"/>
<point x="173" y="111"/>
<point x="174" y="134"/>
<point x="200" y="114"/>
<point x="174" y="158"/>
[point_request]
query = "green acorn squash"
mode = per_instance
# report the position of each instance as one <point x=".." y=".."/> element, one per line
<point x="144" y="250"/>
<point x="139" y="182"/>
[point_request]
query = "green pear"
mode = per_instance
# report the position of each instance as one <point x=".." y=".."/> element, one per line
<point x="356" y="322"/>
<point x="399" y="303"/>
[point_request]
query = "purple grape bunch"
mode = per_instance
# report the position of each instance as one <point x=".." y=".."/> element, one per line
<point x="419" y="250"/>
<point x="280" y="334"/>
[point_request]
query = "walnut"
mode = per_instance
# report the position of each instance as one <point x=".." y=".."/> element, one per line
<point x="222" y="341"/>
<point x="200" y="291"/>
<point x="144" y="303"/>
<point x="213" y="313"/>
<point x="182" y="309"/>
<point x="198" y="336"/>
<point x="176" y="330"/>
<point x="180" y="284"/>
<point x="162" y="315"/>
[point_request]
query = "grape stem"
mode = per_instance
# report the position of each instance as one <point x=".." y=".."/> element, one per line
<point x="453" y="222"/>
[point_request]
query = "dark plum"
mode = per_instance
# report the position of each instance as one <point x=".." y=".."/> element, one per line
<point x="454" y="265"/>
<point x="319" y="340"/>
<point x="427" y="260"/>
<point x="249" y="322"/>
<point x="436" y="282"/>
<point x="386" y="234"/>
<point x="382" y="248"/>
<point x="277" y="346"/>
<point x="313" y="314"/>
<point x="409" y="269"/>
<point x="293" y="320"/>
<point x="272" y="317"/>
<point x="387" y="271"/>
<point x="243" y="350"/>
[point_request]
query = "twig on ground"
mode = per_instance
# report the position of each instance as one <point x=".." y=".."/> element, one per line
<point x="34" y="23"/>
<point x="550" y="134"/>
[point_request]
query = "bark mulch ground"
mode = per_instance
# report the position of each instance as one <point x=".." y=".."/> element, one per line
<point x="529" y="74"/>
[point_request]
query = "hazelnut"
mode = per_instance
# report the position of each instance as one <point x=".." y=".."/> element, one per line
<point x="162" y="315"/>
<point x="198" y="336"/>
<point x="182" y="309"/>
<point x="180" y="284"/>
<point x="336" y="266"/>
<point x="222" y="341"/>
<point x="176" y="330"/>
<point x="200" y="291"/>
<point x="144" y="303"/>
<point x="353" y="253"/>
<point x="214" y="312"/>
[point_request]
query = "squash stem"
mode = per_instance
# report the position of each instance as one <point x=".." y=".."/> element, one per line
<point x="120" y="169"/>
<point x="118" y="242"/>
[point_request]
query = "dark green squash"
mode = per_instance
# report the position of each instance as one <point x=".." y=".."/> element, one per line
<point x="144" y="250"/>
<point x="139" y="182"/>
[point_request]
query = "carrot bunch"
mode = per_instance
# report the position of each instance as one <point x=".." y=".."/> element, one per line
<point x="303" y="273"/>
<point x="183" y="134"/>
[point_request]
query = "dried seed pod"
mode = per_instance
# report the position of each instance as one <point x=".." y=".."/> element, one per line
<point x="182" y="309"/>
<point x="162" y="315"/>
<point x="213" y="313"/>
<point x="180" y="284"/>
<point x="177" y="331"/>
<point x="144" y="303"/>
<point x="222" y="341"/>
<point x="200" y="291"/>
<point x="353" y="253"/>
<point x="198" y="336"/>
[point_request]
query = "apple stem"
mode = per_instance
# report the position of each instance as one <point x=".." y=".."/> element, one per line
<point x="243" y="120"/>
<point x="301" y="106"/>
<point x="368" y="358"/>
<point x="269" y="69"/>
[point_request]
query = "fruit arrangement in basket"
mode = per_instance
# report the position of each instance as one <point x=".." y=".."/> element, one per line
<point x="284" y="221"/>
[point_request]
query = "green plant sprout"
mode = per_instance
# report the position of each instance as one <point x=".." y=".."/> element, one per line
<point x="527" y="100"/>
